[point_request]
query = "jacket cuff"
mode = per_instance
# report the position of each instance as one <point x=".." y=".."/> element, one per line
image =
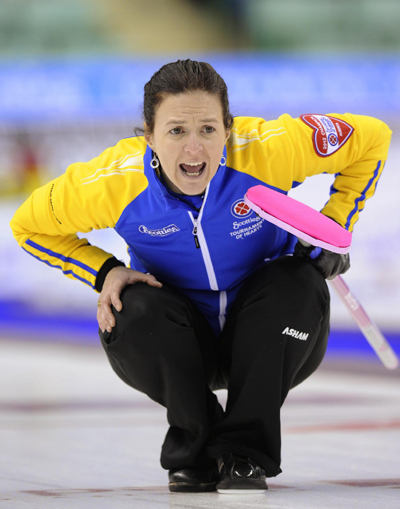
<point x="109" y="264"/>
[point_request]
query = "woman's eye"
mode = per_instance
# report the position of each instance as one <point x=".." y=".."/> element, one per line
<point x="176" y="130"/>
<point x="209" y="129"/>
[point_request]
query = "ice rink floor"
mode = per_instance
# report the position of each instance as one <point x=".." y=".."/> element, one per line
<point x="73" y="435"/>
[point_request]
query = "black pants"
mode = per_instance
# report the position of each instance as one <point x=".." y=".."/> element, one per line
<point x="275" y="336"/>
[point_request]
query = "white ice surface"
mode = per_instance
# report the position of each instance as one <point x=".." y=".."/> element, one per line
<point x="73" y="435"/>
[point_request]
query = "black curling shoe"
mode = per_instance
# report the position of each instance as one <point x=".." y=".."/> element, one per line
<point x="239" y="474"/>
<point x="193" y="480"/>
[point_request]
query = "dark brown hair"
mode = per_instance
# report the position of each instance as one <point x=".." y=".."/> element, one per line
<point x="181" y="77"/>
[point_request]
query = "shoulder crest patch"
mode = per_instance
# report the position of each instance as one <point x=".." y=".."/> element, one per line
<point x="330" y="133"/>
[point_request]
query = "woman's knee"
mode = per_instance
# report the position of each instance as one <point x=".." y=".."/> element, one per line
<point x="299" y="270"/>
<point x="149" y="313"/>
<point x="139" y="301"/>
<point x="289" y="277"/>
<point x="133" y="337"/>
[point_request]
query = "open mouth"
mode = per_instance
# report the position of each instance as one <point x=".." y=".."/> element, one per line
<point x="192" y="169"/>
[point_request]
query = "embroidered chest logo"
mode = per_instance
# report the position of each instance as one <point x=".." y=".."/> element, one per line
<point x="240" y="209"/>
<point x="296" y="334"/>
<point x="330" y="133"/>
<point x="159" y="232"/>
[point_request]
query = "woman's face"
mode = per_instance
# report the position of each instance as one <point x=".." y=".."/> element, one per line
<point x="189" y="137"/>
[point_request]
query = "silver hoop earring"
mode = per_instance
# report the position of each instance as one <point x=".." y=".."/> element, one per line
<point x="223" y="161"/>
<point x="154" y="163"/>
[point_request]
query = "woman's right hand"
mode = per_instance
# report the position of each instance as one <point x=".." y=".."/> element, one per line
<point x="115" y="281"/>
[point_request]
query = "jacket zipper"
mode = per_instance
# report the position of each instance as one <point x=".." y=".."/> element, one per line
<point x="201" y="244"/>
<point x="196" y="238"/>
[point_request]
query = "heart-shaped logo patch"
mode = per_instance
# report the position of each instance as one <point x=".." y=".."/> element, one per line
<point x="330" y="133"/>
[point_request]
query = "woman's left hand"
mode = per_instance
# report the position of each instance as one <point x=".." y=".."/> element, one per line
<point x="328" y="263"/>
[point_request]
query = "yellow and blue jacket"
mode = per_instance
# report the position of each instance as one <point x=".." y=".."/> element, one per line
<point x="120" y="190"/>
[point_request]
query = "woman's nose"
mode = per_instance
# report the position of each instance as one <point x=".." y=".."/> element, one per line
<point x="193" y="144"/>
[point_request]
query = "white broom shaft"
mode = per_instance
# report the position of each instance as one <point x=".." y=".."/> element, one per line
<point x="371" y="332"/>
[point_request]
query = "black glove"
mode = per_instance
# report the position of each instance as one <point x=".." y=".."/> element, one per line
<point x="328" y="263"/>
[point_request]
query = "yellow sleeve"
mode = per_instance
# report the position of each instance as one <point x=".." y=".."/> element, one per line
<point x="284" y="152"/>
<point x="88" y="196"/>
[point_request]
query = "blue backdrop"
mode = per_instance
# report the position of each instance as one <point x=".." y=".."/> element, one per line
<point x="258" y="84"/>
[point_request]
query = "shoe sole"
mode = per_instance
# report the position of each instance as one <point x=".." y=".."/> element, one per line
<point x="190" y="488"/>
<point x="242" y="492"/>
<point x="242" y="487"/>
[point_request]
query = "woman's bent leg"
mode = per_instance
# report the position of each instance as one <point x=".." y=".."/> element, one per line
<point x="161" y="345"/>
<point x="275" y="336"/>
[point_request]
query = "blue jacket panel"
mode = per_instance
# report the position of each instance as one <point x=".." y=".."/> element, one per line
<point x="232" y="241"/>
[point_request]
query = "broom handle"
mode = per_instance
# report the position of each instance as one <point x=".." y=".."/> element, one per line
<point x="371" y="332"/>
